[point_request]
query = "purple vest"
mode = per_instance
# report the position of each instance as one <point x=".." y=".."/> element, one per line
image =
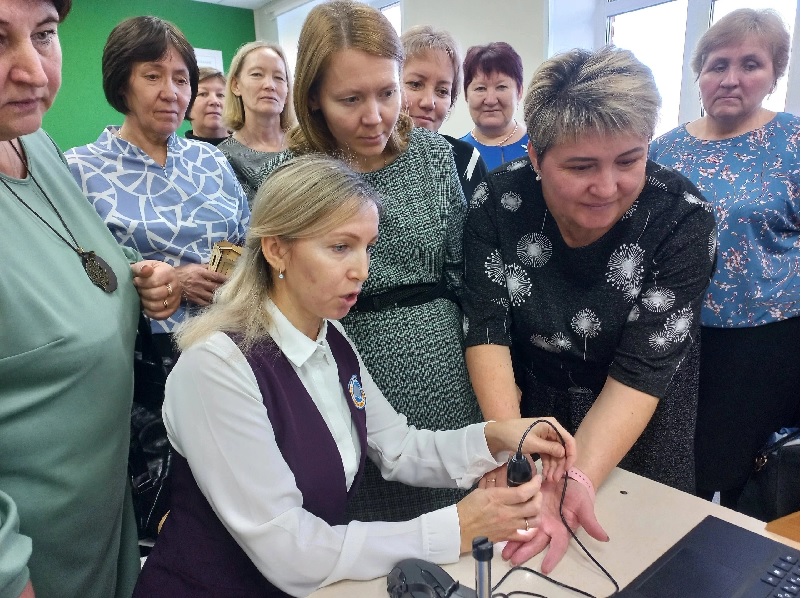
<point x="195" y="556"/>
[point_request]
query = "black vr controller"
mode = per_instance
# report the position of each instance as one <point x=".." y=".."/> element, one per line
<point x="518" y="470"/>
<point x="416" y="578"/>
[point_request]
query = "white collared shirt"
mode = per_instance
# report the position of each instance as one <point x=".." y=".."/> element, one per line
<point x="314" y="364"/>
<point x="216" y="419"/>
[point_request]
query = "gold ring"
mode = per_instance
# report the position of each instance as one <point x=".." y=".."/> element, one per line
<point x="528" y="527"/>
<point x="169" y="290"/>
<point x="165" y="304"/>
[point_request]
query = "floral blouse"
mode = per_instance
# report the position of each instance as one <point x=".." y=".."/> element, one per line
<point x="626" y="305"/>
<point x="753" y="182"/>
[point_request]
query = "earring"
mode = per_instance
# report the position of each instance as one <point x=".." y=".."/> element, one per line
<point x="538" y="177"/>
<point x="281" y="274"/>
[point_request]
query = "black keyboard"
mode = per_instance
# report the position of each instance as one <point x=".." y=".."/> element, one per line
<point x="781" y="580"/>
<point x="719" y="560"/>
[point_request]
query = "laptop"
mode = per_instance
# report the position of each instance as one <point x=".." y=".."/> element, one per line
<point x="719" y="560"/>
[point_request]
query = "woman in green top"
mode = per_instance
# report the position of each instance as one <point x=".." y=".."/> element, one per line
<point x="69" y="306"/>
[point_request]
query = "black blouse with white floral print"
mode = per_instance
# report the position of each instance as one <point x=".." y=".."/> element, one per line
<point x="626" y="305"/>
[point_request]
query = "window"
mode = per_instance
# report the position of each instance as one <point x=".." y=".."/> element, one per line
<point x="661" y="48"/>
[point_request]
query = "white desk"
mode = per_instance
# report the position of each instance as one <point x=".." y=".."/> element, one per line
<point x="643" y="519"/>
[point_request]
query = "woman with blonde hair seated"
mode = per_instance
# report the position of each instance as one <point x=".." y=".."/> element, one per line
<point x="407" y="323"/>
<point x="273" y="414"/>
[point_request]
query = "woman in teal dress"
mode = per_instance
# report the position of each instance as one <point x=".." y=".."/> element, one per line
<point x="407" y="324"/>
<point x="68" y="313"/>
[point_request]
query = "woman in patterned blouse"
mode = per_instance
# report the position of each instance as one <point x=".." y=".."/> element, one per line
<point x="585" y="269"/>
<point x="744" y="159"/>
<point x="168" y="197"/>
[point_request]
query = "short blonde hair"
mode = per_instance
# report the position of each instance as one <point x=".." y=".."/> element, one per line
<point x="420" y="39"/>
<point x="765" y="24"/>
<point x="605" y="92"/>
<point x="329" y="28"/>
<point x="207" y="72"/>
<point x="233" y="108"/>
<point x="303" y="198"/>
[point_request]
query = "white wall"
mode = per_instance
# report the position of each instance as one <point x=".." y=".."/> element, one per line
<point x="572" y="25"/>
<point x="521" y="23"/>
<point x="266" y="25"/>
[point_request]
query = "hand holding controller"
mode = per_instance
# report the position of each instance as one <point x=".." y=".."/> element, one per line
<point x="518" y="470"/>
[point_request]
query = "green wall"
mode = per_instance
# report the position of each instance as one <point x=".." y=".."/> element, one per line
<point x="80" y="111"/>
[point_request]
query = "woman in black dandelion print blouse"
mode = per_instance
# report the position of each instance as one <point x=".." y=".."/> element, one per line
<point x="585" y="268"/>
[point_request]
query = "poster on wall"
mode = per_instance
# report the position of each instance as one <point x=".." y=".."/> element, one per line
<point x="209" y="58"/>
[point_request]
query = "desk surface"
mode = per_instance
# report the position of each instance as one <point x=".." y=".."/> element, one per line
<point x="643" y="519"/>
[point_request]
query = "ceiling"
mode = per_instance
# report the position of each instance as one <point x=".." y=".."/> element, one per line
<point x="251" y="4"/>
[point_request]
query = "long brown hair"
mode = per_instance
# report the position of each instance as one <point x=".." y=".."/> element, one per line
<point x="329" y="28"/>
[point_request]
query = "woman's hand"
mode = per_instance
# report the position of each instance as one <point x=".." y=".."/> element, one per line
<point x="199" y="283"/>
<point x="500" y="514"/>
<point x="579" y="511"/>
<point x="542" y="439"/>
<point x="158" y="287"/>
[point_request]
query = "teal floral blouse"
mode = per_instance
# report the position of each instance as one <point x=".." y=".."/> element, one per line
<point x="753" y="182"/>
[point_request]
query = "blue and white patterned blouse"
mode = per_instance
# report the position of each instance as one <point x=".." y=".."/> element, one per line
<point x="753" y="182"/>
<point x="172" y="213"/>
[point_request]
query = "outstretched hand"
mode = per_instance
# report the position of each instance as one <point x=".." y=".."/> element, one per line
<point x="579" y="511"/>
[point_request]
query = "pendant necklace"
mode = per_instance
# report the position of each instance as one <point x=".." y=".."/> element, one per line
<point x="502" y="142"/>
<point x="98" y="271"/>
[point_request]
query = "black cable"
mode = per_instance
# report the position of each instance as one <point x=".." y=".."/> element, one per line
<point x="518" y="592"/>
<point x="543" y="576"/>
<point x="567" y="527"/>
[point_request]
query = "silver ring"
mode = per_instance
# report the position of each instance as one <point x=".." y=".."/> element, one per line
<point x="528" y="527"/>
<point x="169" y="290"/>
<point x="165" y="304"/>
<point x="491" y="480"/>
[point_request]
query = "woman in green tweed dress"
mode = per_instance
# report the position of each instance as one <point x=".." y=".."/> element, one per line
<point x="407" y="324"/>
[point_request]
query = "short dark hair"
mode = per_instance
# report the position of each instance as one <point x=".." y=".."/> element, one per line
<point x="497" y="57"/>
<point x="142" y="39"/>
<point x="62" y="8"/>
